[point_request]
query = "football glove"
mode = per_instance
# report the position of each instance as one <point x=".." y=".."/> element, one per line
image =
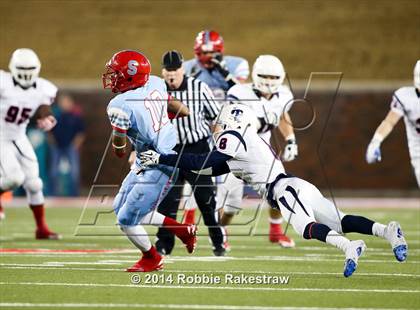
<point x="373" y="152"/>
<point x="149" y="158"/>
<point x="290" y="151"/>
<point x="220" y="65"/>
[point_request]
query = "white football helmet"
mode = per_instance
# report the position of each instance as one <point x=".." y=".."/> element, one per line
<point x="25" y="66"/>
<point x="417" y="75"/>
<point x="237" y="116"/>
<point x="268" y="65"/>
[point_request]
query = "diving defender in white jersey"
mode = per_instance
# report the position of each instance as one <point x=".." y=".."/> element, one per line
<point x="405" y="103"/>
<point x="23" y="95"/>
<point x="240" y="150"/>
<point x="270" y="100"/>
<point x="139" y="114"/>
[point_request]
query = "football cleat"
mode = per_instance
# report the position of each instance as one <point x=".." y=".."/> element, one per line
<point x="277" y="235"/>
<point x="286" y="242"/>
<point x="190" y="238"/>
<point x="395" y="236"/>
<point x="353" y="252"/>
<point x="147" y="264"/>
<point x="189" y="217"/>
<point x="227" y="246"/>
<point x="219" y="251"/>
<point x="47" y="235"/>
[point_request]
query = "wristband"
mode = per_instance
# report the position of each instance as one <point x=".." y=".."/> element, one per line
<point x="291" y="137"/>
<point x="119" y="147"/>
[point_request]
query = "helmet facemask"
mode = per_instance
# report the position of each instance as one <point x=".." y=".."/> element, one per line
<point x="110" y="79"/>
<point x="267" y="84"/>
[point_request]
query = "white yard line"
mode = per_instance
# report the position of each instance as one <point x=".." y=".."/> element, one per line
<point x="369" y="203"/>
<point x="172" y="306"/>
<point x="212" y="259"/>
<point x="284" y="273"/>
<point x="189" y="287"/>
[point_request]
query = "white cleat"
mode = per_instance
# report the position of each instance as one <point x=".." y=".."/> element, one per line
<point x="353" y="252"/>
<point x="2" y="214"/>
<point x="395" y="236"/>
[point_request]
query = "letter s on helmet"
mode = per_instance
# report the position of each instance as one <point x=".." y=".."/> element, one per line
<point x="126" y="70"/>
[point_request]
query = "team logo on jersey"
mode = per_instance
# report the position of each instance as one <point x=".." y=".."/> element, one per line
<point x="237" y="113"/>
<point x="132" y="67"/>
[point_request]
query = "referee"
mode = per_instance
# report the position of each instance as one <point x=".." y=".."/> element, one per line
<point x="193" y="134"/>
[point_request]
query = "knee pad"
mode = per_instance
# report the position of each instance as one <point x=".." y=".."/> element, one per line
<point x="124" y="219"/>
<point x="12" y="181"/>
<point x="33" y="185"/>
<point x="129" y="215"/>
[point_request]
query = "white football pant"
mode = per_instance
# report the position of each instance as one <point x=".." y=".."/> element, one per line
<point x="230" y="191"/>
<point x="19" y="166"/>
<point x="301" y="203"/>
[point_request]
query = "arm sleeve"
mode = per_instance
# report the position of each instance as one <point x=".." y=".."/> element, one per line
<point x="119" y="118"/>
<point x="216" y="170"/>
<point x="190" y="161"/>
<point x="211" y="107"/>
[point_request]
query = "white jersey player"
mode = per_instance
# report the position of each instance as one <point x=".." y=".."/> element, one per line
<point x="24" y="95"/>
<point x="240" y="150"/>
<point x="405" y="103"/>
<point x="270" y="101"/>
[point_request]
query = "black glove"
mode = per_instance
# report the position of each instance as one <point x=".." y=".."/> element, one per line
<point x="220" y="65"/>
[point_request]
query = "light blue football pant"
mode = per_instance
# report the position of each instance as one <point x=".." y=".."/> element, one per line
<point x="141" y="194"/>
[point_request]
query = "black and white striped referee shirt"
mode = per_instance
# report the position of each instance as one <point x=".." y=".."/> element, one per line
<point x="203" y="110"/>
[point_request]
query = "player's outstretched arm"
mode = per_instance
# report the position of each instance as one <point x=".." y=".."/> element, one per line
<point x="177" y="108"/>
<point x="192" y="162"/>
<point x="286" y="128"/>
<point x="373" y="152"/>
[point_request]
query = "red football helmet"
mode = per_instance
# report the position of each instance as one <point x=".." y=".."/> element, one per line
<point x="126" y="70"/>
<point x="207" y="41"/>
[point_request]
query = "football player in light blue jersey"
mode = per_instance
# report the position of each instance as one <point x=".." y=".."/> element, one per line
<point x="139" y="114"/>
<point x="219" y="72"/>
